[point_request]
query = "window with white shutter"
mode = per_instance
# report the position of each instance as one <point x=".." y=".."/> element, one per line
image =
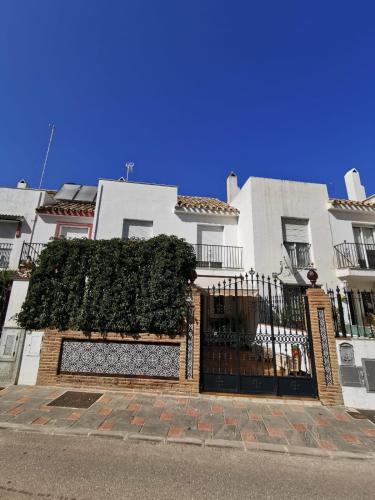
<point x="210" y="235"/>
<point x="73" y="232"/>
<point x="296" y="241"/>
<point x="141" y="229"/>
<point x="295" y="230"/>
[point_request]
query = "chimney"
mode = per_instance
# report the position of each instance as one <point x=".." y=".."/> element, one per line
<point x="354" y="188"/>
<point x="22" y="184"/>
<point x="232" y="187"/>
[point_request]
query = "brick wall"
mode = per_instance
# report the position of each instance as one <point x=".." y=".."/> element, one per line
<point x="50" y="359"/>
<point x="330" y="392"/>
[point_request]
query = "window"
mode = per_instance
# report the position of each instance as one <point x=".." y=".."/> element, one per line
<point x="364" y="238"/>
<point x="296" y="241"/>
<point x="210" y="246"/>
<point x="141" y="229"/>
<point x="72" y="232"/>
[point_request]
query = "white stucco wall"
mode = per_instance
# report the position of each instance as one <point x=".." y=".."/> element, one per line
<point x="244" y="203"/>
<point x="117" y="201"/>
<point x="45" y="226"/>
<point x="129" y="200"/>
<point x="263" y="203"/>
<point x="358" y="397"/>
<point x="16" y="299"/>
<point x="342" y="222"/>
<point x="22" y="202"/>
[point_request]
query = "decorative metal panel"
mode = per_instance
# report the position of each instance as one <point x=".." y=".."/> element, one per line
<point x="369" y="369"/>
<point x="350" y="376"/>
<point x="325" y="347"/>
<point x="120" y="358"/>
<point x="346" y="354"/>
<point x="190" y="342"/>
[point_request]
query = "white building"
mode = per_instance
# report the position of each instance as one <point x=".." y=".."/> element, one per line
<point x="17" y="220"/>
<point x="277" y="227"/>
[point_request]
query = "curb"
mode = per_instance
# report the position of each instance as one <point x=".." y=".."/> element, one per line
<point x="209" y="443"/>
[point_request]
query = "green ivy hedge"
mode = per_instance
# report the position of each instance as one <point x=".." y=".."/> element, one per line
<point x="110" y="286"/>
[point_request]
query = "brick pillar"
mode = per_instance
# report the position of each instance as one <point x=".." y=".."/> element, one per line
<point x="324" y="347"/>
<point x="197" y="298"/>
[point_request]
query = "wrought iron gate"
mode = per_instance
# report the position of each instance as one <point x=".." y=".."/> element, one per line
<point x="256" y="338"/>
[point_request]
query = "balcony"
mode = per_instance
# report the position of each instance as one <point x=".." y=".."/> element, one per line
<point x="355" y="256"/>
<point x="218" y="256"/>
<point x="30" y="253"/>
<point x="299" y="254"/>
<point x="5" y="251"/>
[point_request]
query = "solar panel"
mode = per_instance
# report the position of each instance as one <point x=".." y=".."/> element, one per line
<point x="86" y="193"/>
<point x="67" y="191"/>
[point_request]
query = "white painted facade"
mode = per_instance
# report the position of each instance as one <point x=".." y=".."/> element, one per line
<point x="48" y="227"/>
<point x="263" y="205"/>
<point x="343" y="221"/>
<point x="19" y="202"/>
<point x="119" y="202"/>
<point x="256" y="221"/>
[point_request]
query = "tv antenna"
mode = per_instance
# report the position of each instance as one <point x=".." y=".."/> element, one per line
<point x="52" y="128"/>
<point x="129" y="165"/>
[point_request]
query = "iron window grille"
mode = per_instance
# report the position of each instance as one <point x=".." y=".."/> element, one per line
<point x="5" y="251"/>
<point x="299" y="254"/>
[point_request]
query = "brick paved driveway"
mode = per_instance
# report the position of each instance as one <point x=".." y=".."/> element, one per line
<point x="204" y="417"/>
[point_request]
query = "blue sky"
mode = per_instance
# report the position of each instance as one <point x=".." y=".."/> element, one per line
<point x="188" y="90"/>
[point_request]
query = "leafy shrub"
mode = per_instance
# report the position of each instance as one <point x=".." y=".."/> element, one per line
<point x="5" y="284"/>
<point x="110" y="285"/>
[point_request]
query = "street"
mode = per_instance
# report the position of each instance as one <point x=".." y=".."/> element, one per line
<point x="34" y="465"/>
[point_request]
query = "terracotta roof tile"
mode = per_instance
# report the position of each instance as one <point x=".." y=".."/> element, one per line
<point x="203" y="203"/>
<point x="352" y="204"/>
<point x="77" y="208"/>
<point x="83" y="208"/>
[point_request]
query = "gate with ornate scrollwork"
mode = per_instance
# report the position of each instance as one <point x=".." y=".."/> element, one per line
<point x="256" y="338"/>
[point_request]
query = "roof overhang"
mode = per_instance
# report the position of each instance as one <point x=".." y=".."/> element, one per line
<point x="203" y="211"/>
<point x="56" y="210"/>
<point x="351" y="206"/>
<point x="11" y="218"/>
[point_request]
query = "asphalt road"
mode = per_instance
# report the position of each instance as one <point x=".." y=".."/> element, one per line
<point x="40" y="466"/>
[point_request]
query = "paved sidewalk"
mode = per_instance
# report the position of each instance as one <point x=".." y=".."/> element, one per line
<point x="278" y="425"/>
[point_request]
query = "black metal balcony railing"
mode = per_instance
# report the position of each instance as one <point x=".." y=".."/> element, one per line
<point x="5" y="251"/>
<point x="299" y="254"/>
<point x="30" y="252"/>
<point x="355" y="255"/>
<point x="218" y="256"/>
<point x="208" y="256"/>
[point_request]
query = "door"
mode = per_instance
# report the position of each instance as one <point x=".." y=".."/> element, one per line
<point x="30" y="358"/>
<point x="210" y="246"/>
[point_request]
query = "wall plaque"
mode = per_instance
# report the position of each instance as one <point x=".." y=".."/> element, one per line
<point x="346" y="354"/>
